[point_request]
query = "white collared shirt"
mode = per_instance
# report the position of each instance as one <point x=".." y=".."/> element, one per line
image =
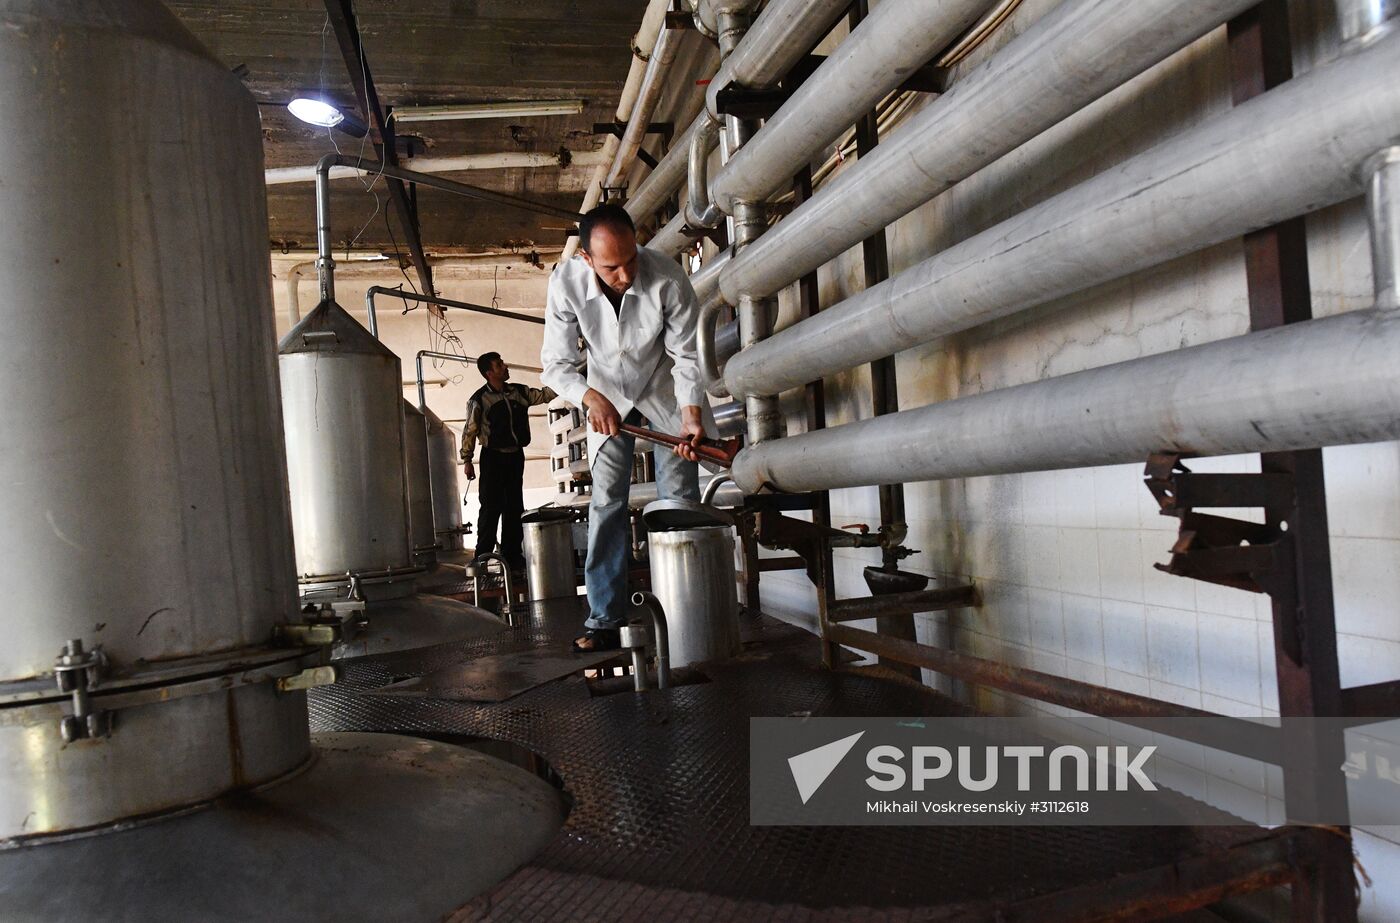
<point x="641" y="356"/>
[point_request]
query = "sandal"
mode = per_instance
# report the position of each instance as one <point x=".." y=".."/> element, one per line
<point x="598" y="639"/>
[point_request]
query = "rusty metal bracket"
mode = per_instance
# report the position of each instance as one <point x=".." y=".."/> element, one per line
<point x="1230" y="552"/>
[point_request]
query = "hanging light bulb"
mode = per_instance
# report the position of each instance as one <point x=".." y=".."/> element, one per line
<point x="316" y="112"/>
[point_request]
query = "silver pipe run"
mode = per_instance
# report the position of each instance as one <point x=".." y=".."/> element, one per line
<point x="663" y="54"/>
<point x="668" y="175"/>
<point x="1316" y="383"/>
<point x="672" y="238"/>
<point x="1076" y="53"/>
<point x="1295" y="149"/>
<point x="779" y="37"/>
<point x="895" y="40"/>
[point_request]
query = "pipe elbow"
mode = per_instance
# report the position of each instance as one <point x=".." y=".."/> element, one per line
<point x="700" y="212"/>
<point x="706" y="354"/>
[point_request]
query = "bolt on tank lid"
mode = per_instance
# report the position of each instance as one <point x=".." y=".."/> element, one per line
<point x="678" y="515"/>
<point x="330" y="329"/>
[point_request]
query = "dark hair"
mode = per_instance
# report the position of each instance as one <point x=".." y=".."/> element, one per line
<point x="610" y="215"/>
<point x="485" y="361"/>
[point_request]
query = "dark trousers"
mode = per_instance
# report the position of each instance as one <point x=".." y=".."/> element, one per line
<point x="502" y="498"/>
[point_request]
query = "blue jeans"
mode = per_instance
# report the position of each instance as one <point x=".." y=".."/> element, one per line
<point x="608" y="522"/>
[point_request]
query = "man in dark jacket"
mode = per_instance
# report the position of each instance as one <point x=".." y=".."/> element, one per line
<point x="498" y="417"/>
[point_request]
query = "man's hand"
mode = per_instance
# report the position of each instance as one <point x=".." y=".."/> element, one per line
<point x="469" y="471"/>
<point x="693" y="429"/>
<point x="602" y="415"/>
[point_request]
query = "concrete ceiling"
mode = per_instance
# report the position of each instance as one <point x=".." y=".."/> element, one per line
<point x="430" y="52"/>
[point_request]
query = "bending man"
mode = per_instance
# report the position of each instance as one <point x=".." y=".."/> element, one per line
<point x="498" y="417"/>
<point x="635" y="311"/>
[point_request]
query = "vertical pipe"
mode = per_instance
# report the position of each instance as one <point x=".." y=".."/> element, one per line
<point x="1383" y="210"/>
<point x="325" y="265"/>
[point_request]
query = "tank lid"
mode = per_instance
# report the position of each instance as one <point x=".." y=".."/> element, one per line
<point x="548" y="514"/>
<point x="677" y="515"/>
<point x="411" y="410"/>
<point x="330" y="329"/>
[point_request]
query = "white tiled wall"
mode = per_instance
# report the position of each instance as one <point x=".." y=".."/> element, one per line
<point x="1064" y="560"/>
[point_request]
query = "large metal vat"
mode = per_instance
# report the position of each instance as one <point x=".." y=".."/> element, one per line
<point x="342" y="407"/>
<point x="143" y="499"/>
<point x="692" y="573"/>
<point x="549" y="554"/>
<point x="443" y="463"/>
<point x="420" y="494"/>
<point x="145" y="529"/>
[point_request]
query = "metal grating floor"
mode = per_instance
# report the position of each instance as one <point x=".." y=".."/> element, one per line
<point x="660" y="827"/>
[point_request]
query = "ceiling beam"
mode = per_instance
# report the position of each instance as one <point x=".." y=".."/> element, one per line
<point x="347" y="33"/>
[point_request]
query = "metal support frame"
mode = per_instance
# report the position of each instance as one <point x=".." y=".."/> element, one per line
<point x="341" y="15"/>
<point x="809" y="304"/>
<point x="884" y="387"/>
<point x="1305" y="628"/>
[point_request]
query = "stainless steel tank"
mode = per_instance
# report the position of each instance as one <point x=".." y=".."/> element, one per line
<point x="420" y="494"/>
<point x="342" y="408"/>
<point x="143" y="498"/>
<point x="444" y="463"/>
<point x="145" y="529"/>
<point x="692" y="574"/>
<point x="549" y="554"/>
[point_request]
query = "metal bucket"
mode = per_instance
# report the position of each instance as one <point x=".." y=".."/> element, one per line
<point x="549" y="556"/>
<point x="692" y="574"/>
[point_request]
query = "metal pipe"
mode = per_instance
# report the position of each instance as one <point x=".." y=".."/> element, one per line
<point x="1294" y="149"/>
<point x="653" y="20"/>
<point x="663" y="54"/>
<point x="666" y="177"/>
<point x="1076" y="53"/>
<point x="712" y="488"/>
<point x="642" y="494"/>
<point x="325" y="264"/>
<point x="451" y="357"/>
<point x="729" y="420"/>
<point x="505" y="160"/>
<point x="778" y="38"/>
<point x="1325" y="382"/>
<point x="374" y="290"/>
<point x="663" y="640"/>
<point x="1383" y="210"/>
<point x="875" y="58"/>
<point x="706" y="322"/>
<point x="483" y="560"/>
<point x="672" y="238"/>
<point x="293" y="290"/>
<point x="1365" y="20"/>
<point x="700" y="211"/>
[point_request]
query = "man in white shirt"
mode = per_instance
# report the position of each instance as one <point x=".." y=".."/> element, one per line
<point x="635" y="311"/>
